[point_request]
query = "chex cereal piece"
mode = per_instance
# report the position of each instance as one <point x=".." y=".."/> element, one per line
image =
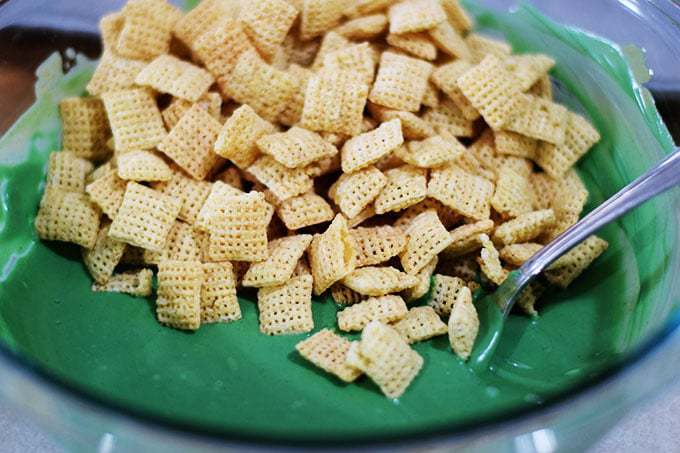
<point x="332" y="255"/>
<point x="463" y="325"/>
<point x="378" y="281"/>
<point x="181" y="245"/>
<point x="292" y="113"/>
<point x="446" y="215"/>
<point x="179" y="294"/>
<point x="67" y="171"/>
<point x="267" y="23"/>
<point x="334" y="102"/>
<point x="104" y="256"/>
<point x="284" y="254"/>
<point x="142" y="166"/>
<point x="446" y="292"/>
<point x="304" y="210"/>
<point x="467" y="194"/>
<point x="492" y="90"/>
<point x="514" y="144"/>
<point x="568" y="267"/>
<point x="355" y="191"/>
<point x="238" y="137"/>
<point x="376" y="245"/>
<point x="450" y="41"/>
<point x="342" y="295"/>
<point x="445" y="77"/>
<point x="99" y="171"/>
<point x="481" y="46"/>
<point x="420" y="324"/>
<point x="204" y="17"/>
<point x="263" y="87"/>
<point x="368" y="148"/>
<point x="457" y="15"/>
<point x="489" y="261"/>
<point x="113" y="73"/>
<point x="541" y="119"/>
<point x="319" y="16"/>
<point x="513" y="195"/>
<point x="219" y="47"/>
<point x="284" y="182"/>
<point x="135" y="120"/>
<point x="296" y="147"/>
<point x="218" y="294"/>
<point x="529" y="68"/>
<point x="401" y="82"/>
<point x="110" y="26"/>
<point x="406" y="186"/>
<point x="169" y="74"/>
<point x="218" y="197"/>
<point x="544" y="189"/>
<point x="423" y="277"/>
<point x="518" y="254"/>
<point x="579" y="137"/>
<point x="528" y="298"/>
<point x="190" y="193"/>
<point x="358" y="8"/>
<point x="542" y="88"/>
<point x="567" y="202"/>
<point x="385" y="308"/>
<point x="330" y="42"/>
<point x="328" y="351"/>
<point x="136" y="283"/>
<point x="417" y="44"/>
<point x="413" y="127"/>
<point x="68" y="217"/>
<point x="466" y="237"/>
<point x="286" y="309"/>
<point x="365" y="27"/>
<point x="190" y="142"/>
<point x="146" y="29"/>
<point x="448" y="117"/>
<point x="431" y="96"/>
<point x="367" y="213"/>
<point x="85" y="128"/>
<point x="144" y="218"/>
<point x="107" y="192"/>
<point x="524" y="227"/>
<point x="415" y="15"/>
<point x="427" y="238"/>
<point x="386" y="358"/>
<point x="431" y="152"/>
<point x="210" y="101"/>
<point x="359" y="58"/>
<point x="238" y="231"/>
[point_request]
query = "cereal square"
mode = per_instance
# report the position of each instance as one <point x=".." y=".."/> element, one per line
<point x="427" y="238"/>
<point x="446" y="293"/>
<point x="102" y="259"/>
<point x="415" y="15"/>
<point x="467" y="194"/>
<point x="286" y="309"/>
<point x="331" y="255"/>
<point x="355" y="191"/>
<point x="147" y="27"/>
<point x="219" y="48"/>
<point x="376" y="245"/>
<point x="169" y="74"/>
<point x="135" y="120"/>
<point x="296" y="147"/>
<point x="143" y="166"/>
<point x="378" y="281"/>
<point x="319" y="16"/>
<point x="432" y="152"/>
<point x="304" y="210"/>
<point x="67" y="171"/>
<point x="385" y="309"/>
<point x="420" y="324"/>
<point x="267" y="23"/>
<point x="67" y="216"/>
<point x="417" y="44"/>
<point x="85" y="127"/>
<point x="466" y="237"/>
<point x="369" y="147"/>
<point x="401" y="82"/>
<point x="284" y="254"/>
<point x="284" y="182"/>
<point x="328" y="351"/>
<point x="179" y="294"/>
<point x="541" y="119"/>
<point x="218" y="294"/>
<point x="238" y="137"/>
<point x="406" y="186"/>
<point x="449" y="118"/>
<point x="107" y="191"/>
<point x="113" y="73"/>
<point x="463" y="325"/>
<point x="136" y="283"/>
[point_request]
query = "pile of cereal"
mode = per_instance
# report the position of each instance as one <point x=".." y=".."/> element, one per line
<point x="377" y="150"/>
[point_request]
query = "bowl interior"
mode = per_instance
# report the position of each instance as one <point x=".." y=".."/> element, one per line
<point x="233" y="379"/>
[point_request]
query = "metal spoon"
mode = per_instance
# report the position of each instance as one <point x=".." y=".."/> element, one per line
<point x="663" y="176"/>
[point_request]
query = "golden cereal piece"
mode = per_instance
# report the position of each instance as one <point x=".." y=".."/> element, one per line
<point x="489" y="261"/>
<point x="525" y="227"/>
<point x="529" y="297"/>
<point x="296" y="147"/>
<point x="446" y="293"/>
<point x="457" y="15"/>
<point x="107" y="191"/>
<point x="384" y="309"/>
<point x="466" y="237"/>
<point x="463" y="325"/>
<point x="210" y="102"/>
<point x="568" y="267"/>
<point x="448" y="40"/>
<point x="376" y="245"/>
<point x="102" y="259"/>
<point x="238" y="137"/>
<point x="206" y="16"/>
<point x="284" y="254"/>
<point x="220" y="47"/>
<point x="513" y="195"/>
<point x="514" y="144"/>
<point x="328" y="351"/>
<point x="418" y="44"/>
<point x="179" y="294"/>
<point x="422" y="286"/>
<point x="529" y="68"/>
<point x="135" y="120"/>
<point x="330" y="42"/>
<point x="292" y="113"/>
<point x="189" y="193"/>
<point x="359" y="58"/>
<point x="85" y="127"/>
<point x="136" y="283"/>
<point x="286" y="309"/>
<point x="447" y="117"/>
<point x="218" y="294"/>
<point x="67" y="171"/>
<point x="368" y="148"/>
<point x="415" y="15"/>
<point x="142" y="166"/>
<point x="446" y="215"/>
<point x="319" y="16"/>
<point x="267" y="23"/>
<point x="541" y="119"/>
<point x="378" y="281"/>
<point x="304" y="210"/>
<point x="364" y="27"/>
<point x="169" y="74"/>
<point x="67" y="216"/>
<point x="332" y="255"/>
<point x="466" y="194"/>
<point x="518" y="254"/>
<point x="406" y="186"/>
<point x="568" y="200"/>
<point x="431" y="152"/>
<point x="481" y="46"/>
<point x="358" y="8"/>
<point x="113" y="73"/>
<point x="420" y="324"/>
<point x="427" y="238"/>
<point x="284" y="182"/>
<point x="146" y="30"/>
<point x="401" y="82"/>
<point x="354" y="192"/>
<point x="445" y="77"/>
<point x="181" y="245"/>
<point x="413" y="127"/>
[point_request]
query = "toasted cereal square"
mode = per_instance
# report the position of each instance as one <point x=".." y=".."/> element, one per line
<point x="413" y="127"/>
<point x="284" y="254"/>
<point x="542" y="88"/>
<point x="378" y="281"/>
<point x="406" y="186"/>
<point x="514" y="144"/>
<point x="292" y="113"/>
<point x="85" y="128"/>
<point x="359" y="58"/>
<point x="238" y="137"/>
<point x="417" y="44"/>
<point x="110" y="26"/>
<point x="190" y="142"/>
<point x="376" y="245"/>
<point x="358" y="8"/>
<point x="319" y="16"/>
<point x="466" y="237"/>
<point x="286" y="309"/>
<point x="113" y="73"/>
<point x="284" y="182"/>
<point x="219" y="47"/>
<point x="449" y="118"/>
<point x="169" y="74"/>
<point x="467" y="194"/>
<point x="529" y="68"/>
<point x="296" y="147"/>
<point x="190" y="193"/>
<point x="541" y="119"/>
<point x="304" y="210"/>
<point x="431" y="152"/>
<point x="135" y="120"/>
<point x="364" y="27"/>
<point x="101" y="260"/>
<point x="68" y="217"/>
<point x="482" y="46"/>
<point x="401" y="82"/>
<point x="142" y="166"/>
<point x="181" y="245"/>
<point x="431" y="96"/>
<point x="489" y="261"/>
<point x="238" y="231"/>
<point x="147" y="27"/>
<point x="332" y="255"/>
<point x="107" y="192"/>
<point x="427" y="238"/>
<point x="579" y="137"/>
<point x="369" y="147"/>
<point x="144" y="218"/>
<point x="525" y="227"/>
<point x="568" y="267"/>
<point x="218" y="294"/>
<point x="568" y="201"/>
<point x="446" y="215"/>
<point x="420" y="324"/>
<point x="513" y="195"/>
<point x="210" y="101"/>
<point x="415" y="15"/>
<point x="445" y="77"/>
<point x="446" y="293"/>
<point x="422" y="287"/>
<point x="355" y="191"/>
<point x="463" y="325"/>
<point x="334" y="102"/>
<point x="328" y="351"/>
<point x="67" y="171"/>
<point x="136" y="283"/>
<point x="385" y="309"/>
<point x="267" y="23"/>
<point x="179" y="294"/>
<point x="342" y="295"/>
<point x="457" y="15"/>
<point x="447" y="39"/>
<point x="386" y="358"/>
<point x="518" y="254"/>
<point x="330" y="42"/>
<point x="206" y="16"/>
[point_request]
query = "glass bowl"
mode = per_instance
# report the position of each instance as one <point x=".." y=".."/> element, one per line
<point x="56" y="346"/>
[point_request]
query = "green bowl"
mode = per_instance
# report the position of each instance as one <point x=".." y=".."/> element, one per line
<point x="233" y="382"/>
